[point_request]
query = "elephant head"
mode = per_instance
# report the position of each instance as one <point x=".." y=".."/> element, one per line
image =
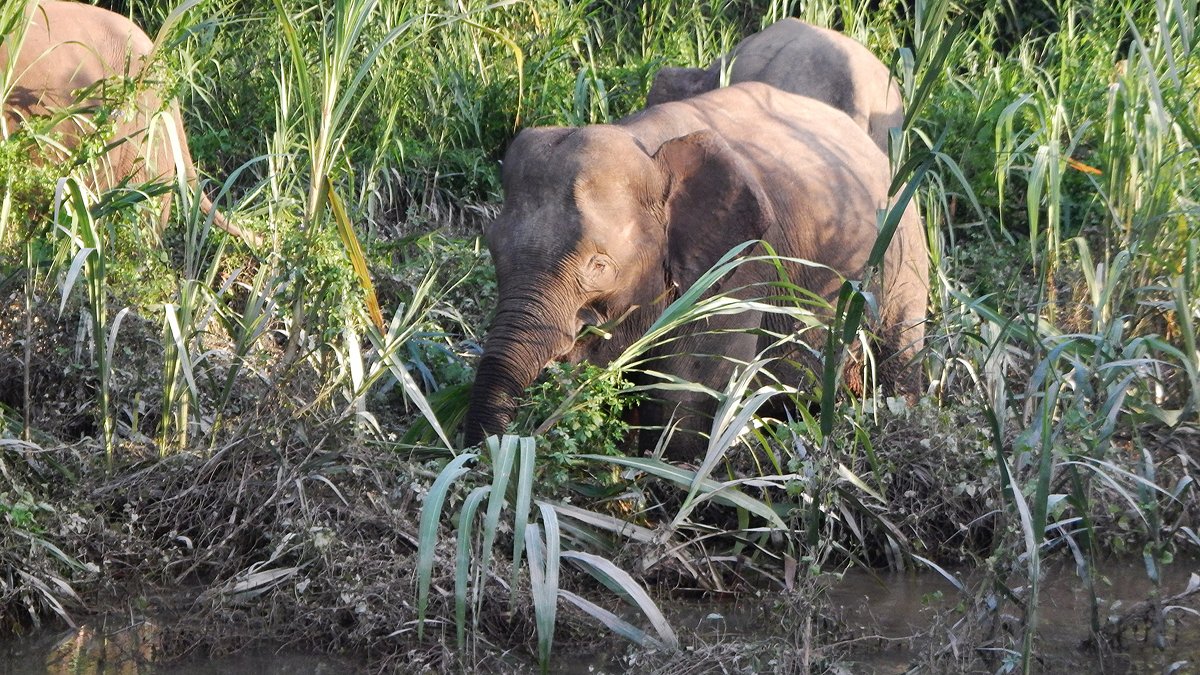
<point x="677" y="84"/>
<point x="596" y="226"/>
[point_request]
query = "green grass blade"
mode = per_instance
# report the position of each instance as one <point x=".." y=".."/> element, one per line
<point x="611" y="621"/>
<point x="503" y="452"/>
<point x="615" y="577"/>
<point x="462" y="566"/>
<point x="427" y="531"/>
<point x="175" y="327"/>
<point x="73" y="275"/>
<point x="730" y="420"/>
<point x="544" y="563"/>
<point x="849" y="312"/>
<point x="411" y="389"/>
<point x="528" y="457"/>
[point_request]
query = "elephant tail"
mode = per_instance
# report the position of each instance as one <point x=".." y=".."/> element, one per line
<point x="220" y="221"/>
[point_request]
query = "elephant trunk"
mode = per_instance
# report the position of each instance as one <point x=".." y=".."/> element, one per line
<point x="525" y="336"/>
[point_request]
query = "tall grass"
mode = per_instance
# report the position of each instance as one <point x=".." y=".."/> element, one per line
<point x="540" y="540"/>
<point x="74" y="217"/>
<point x="1096" y="367"/>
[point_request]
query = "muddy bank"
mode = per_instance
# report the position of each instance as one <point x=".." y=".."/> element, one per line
<point x="302" y="542"/>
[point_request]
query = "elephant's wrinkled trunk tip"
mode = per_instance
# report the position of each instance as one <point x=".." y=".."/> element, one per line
<point x="512" y="359"/>
<point x="476" y="430"/>
<point x="493" y="402"/>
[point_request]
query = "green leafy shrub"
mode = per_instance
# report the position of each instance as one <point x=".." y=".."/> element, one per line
<point x="581" y="409"/>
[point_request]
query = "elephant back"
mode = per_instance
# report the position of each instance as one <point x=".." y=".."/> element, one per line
<point x="799" y="58"/>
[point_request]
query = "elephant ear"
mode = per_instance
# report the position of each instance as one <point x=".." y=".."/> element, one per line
<point x="714" y="202"/>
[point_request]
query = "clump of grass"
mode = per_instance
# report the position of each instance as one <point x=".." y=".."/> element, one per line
<point x="577" y="410"/>
<point x="540" y="541"/>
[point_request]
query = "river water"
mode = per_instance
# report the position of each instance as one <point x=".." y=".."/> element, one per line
<point x="882" y="617"/>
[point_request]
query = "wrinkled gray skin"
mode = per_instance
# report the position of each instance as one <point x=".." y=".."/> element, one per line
<point x="802" y="59"/>
<point x="608" y="219"/>
<point x="71" y="46"/>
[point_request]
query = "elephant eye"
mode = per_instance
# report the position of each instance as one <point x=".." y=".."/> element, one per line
<point x="599" y="271"/>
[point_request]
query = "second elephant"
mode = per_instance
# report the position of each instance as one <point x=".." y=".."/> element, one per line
<point x="74" y="61"/>
<point x="802" y="59"/>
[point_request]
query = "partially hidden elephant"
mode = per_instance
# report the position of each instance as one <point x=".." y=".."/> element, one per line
<point x="72" y="56"/>
<point x="802" y="59"/>
<point x="609" y="223"/>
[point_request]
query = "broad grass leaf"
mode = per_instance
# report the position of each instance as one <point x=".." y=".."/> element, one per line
<point x="427" y="531"/>
<point x="618" y="579"/>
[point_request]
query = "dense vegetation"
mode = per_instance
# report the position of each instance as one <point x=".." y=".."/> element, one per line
<point x="272" y="428"/>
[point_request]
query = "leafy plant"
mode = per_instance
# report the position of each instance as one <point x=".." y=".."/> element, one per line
<point x="543" y="552"/>
<point x="577" y="409"/>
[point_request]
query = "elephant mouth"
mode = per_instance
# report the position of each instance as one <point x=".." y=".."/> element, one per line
<point x="572" y="355"/>
<point x="588" y="339"/>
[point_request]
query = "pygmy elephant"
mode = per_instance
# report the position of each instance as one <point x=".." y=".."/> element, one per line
<point x="609" y="223"/>
<point x="802" y="59"/>
<point x="74" y="59"/>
